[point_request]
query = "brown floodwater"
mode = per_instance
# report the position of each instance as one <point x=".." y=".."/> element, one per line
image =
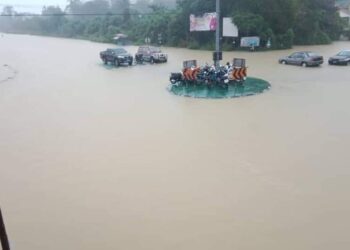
<point x="95" y="157"/>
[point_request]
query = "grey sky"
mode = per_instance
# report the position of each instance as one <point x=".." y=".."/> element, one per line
<point x="31" y="5"/>
<point x="34" y="6"/>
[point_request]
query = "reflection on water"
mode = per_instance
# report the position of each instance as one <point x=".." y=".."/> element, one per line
<point x="7" y="73"/>
<point x="251" y="86"/>
<point x="107" y="159"/>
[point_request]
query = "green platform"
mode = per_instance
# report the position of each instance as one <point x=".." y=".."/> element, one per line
<point x="251" y="86"/>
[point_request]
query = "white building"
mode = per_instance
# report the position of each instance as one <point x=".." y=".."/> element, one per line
<point x="344" y="9"/>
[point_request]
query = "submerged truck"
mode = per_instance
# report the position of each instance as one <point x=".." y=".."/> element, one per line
<point x="117" y="56"/>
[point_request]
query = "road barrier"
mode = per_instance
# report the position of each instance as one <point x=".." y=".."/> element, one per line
<point x="238" y="74"/>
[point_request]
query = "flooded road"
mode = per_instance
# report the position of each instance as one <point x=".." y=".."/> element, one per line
<point x="105" y="158"/>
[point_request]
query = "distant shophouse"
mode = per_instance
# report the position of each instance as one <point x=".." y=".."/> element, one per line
<point x="345" y="14"/>
<point x="343" y="7"/>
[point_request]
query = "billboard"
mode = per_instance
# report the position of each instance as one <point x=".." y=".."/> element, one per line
<point x="207" y="22"/>
<point x="229" y="28"/>
<point x="250" y="41"/>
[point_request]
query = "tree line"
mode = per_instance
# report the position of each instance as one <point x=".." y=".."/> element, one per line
<point x="282" y="22"/>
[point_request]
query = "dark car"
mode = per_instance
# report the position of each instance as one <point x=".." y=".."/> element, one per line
<point x="302" y="58"/>
<point x="150" y="54"/>
<point x="117" y="56"/>
<point x="342" y="58"/>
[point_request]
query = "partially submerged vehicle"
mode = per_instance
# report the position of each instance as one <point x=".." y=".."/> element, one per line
<point x="117" y="56"/>
<point x="150" y="54"/>
<point x="342" y="58"/>
<point x="210" y="75"/>
<point x="302" y="58"/>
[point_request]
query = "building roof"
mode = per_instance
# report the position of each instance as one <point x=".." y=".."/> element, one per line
<point x="344" y="13"/>
<point x="342" y="3"/>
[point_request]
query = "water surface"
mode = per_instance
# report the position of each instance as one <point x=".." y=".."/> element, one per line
<point x="105" y="158"/>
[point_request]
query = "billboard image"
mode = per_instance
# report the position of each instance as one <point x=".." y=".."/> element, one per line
<point x="207" y="22"/>
<point x="250" y="41"/>
<point x="229" y="28"/>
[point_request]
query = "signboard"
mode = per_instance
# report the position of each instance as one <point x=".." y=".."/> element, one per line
<point x="207" y="22"/>
<point x="250" y="41"/>
<point x="229" y="28"/>
<point x="190" y="63"/>
<point x="238" y="62"/>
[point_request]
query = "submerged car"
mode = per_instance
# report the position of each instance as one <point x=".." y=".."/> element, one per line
<point x="342" y="58"/>
<point x="150" y="54"/>
<point x="116" y="56"/>
<point x="302" y="58"/>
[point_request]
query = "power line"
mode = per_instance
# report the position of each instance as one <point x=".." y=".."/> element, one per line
<point x="93" y="14"/>
<point x="76" y="14"/>
<point x="22" y="5"/>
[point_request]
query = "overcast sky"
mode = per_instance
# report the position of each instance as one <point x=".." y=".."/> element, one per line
<point x="31" y="5"/>
<point x="34" y="6"/>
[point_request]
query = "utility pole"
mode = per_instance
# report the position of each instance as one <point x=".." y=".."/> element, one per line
<point x="3" y="236"/>
<point x="217" y="54"/>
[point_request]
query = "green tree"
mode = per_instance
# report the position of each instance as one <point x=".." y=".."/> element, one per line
<point x="52" y="19"/>
<point x="121" y="7"/>
<point x="7" y="20"/>
<point x="284" y="22"/>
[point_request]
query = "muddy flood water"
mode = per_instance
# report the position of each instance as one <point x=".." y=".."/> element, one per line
<point x="95" y="157"/>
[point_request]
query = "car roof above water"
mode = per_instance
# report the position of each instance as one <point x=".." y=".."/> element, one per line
<point x="118" y="50"/>
<point x="307" y="52"/>
<point x="153" y="48"/>
<point x="312" y="53"/>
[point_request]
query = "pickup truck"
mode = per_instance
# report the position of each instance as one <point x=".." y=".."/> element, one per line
<point x="116" y="56"/>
